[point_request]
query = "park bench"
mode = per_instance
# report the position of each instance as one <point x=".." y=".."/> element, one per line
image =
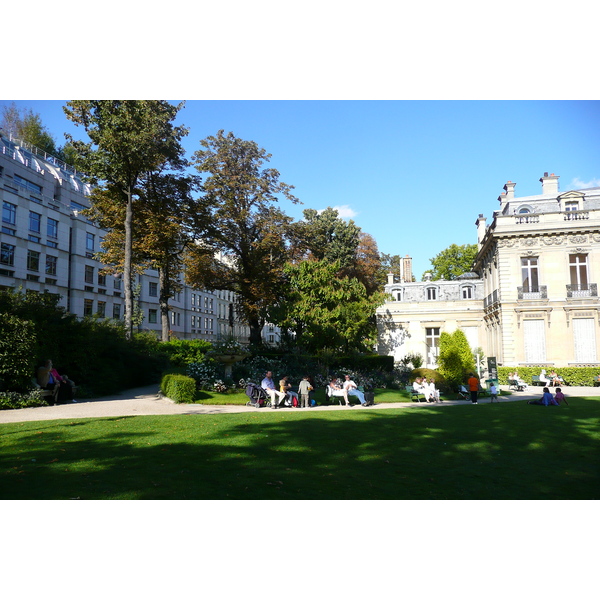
<point x="415" y="395"/>
<point x="514" y="385"/>
<point x="535" y="380"/>
<point x="333" y="393"/>
<point x="52" y="395"/>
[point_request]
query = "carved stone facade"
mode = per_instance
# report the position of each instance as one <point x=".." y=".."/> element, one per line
<point x="536" y="293"/>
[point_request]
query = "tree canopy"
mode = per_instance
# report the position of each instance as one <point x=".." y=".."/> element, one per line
<point x="128" y="139"/>
<point x="250" y="232"/>
<point x="453" y="261"/>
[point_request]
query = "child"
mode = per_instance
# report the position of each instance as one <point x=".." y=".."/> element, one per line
<point x="494" y="393"/>
<point x="304" y="390"/>
<point x="559" y="397"/>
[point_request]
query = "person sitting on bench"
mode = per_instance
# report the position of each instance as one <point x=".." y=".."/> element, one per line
<point x="353" y="390"/>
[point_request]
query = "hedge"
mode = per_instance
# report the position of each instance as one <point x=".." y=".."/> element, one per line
<point x="581" y="376"/>
<point x="179" y="388"/>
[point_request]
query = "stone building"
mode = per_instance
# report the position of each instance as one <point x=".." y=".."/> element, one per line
<point x="532" y="298"/>
<point x="47" y="244"/>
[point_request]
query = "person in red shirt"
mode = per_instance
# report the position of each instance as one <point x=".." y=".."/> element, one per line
<point x="473" y="384"/>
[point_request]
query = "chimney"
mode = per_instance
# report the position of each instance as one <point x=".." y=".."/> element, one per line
<point x="390" y="277"/>
<point x="406" y="269"/>
<point x="549" y="184"/>
<point x="510" y="190"/>
<point x="481" y="229"/>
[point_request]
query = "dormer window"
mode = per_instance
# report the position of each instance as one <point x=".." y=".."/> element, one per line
<point x="571" y="205"/>
<point x="431" y="293"/>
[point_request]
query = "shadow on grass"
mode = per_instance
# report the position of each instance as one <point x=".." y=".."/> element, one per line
<point x="506" y="451"/>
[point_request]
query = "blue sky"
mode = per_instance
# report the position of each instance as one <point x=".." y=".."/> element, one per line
<point x="413" y="174"/>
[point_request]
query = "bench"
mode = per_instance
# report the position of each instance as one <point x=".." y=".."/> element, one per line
<point x="52" y="395"/>
<point x="596" y="380"/>
<point x="514" y="385"/>
<point x="535" y="380"/>
<point x="333" y="393"/>
<point x="415" y="395"/>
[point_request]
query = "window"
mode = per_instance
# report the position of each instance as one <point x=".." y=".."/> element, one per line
<point x="89" y="242"/>
<point x="88" y="307"/>
<point x="153" y="289"/>
<point x="529" y="274"/>
<point x="33" y="260"/>
<point x="101" y="308"/>
<point x="32" y="187"/>
<point x="571" y="206"/>
<point x="51" y="262"/>
<point x="7" y="254"/>
<point x="102" y="279"/>
<point x="89" y="274"/>
<point x="193" y="321"/>
<point x="9" y="213"/>
<point x="152" y="315"/>
<point x="116" y="311"/>
<point x="117" y="283"/>
<point x="52" y="228"/>
<point x="578" y="268"/>
<point x="584" y="340"/>
<point x="432" y="340"/>
<point x="534" y="335"/>
<point x="35" y="222"/>
<point x="431" y="293"/>
<point x="467" y="292"/>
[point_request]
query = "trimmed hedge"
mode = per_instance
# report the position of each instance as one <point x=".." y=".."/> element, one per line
<point x="581" y="376"/>
<point x="179" y="388"/>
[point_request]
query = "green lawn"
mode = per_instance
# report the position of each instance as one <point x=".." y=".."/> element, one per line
<point x="499" y="451"/>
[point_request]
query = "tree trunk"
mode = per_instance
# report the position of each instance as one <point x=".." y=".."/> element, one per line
<point x="255" y="331"/>
<point x="127" y="266"/>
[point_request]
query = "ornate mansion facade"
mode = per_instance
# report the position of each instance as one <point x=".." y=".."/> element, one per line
<point x="532" y="297"/>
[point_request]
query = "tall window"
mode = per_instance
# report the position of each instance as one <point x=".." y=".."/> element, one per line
<point x="152" y="315"/>
<point x="89" y="274"/>
<point x="33" y="260"/>
<point x="88" y="307"/>
<point x="9" y="213"/>
<point x="89" y="242"/>
<point x="431" y="293"/>
<point x="51" y="262"/>
<point x="432" y="339"/>
<point x="578" y="268"/>
<point x="35" y="222"/>
<point x="101" y="308"/>
<point x="529" y="274"/>
<point x="52" y="228"/>
<point x="7" y="254"/>
<point x="116" y="311"/>
<point x="534" y="337"/>
<point x="153" y="289"/>
<point x="467" y="292"/>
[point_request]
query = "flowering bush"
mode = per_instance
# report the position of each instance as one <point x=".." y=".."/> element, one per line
<point x="219" y="386"/>
<point x="228" y="345"/>
<point x="203" y="373"/>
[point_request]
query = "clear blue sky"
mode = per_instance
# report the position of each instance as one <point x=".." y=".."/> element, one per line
<point x="413" y="174"/>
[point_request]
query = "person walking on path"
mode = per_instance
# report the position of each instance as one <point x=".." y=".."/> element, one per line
<point x="473" y="385"/>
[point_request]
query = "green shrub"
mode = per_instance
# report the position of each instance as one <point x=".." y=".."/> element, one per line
<point x="582" y="376"/>
<point x="184" y="352"/>
<point x="10" y="400"/>
<point x="17" y="352"/>
<point x="179" y="388"/>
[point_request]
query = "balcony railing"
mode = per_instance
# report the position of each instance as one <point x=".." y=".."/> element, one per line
<point x="576" y="215"/>
<point x="491" y="299"/>
<point x="539" y="292"/>
<point x="582" y="290"/>
<point x="527" y="218"/>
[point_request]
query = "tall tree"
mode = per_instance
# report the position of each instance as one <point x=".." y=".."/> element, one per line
<point x="250" y="231"/>
<point x="453" y="261"/>
<point x="325" y="236"/>
<point x="128" y="138"/>
<point x="367" y="267"/>
<point x="325" y="310"/>
<point x="27" y="126"/>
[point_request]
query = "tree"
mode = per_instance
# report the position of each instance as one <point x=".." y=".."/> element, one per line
<point x="455" y="357"/>
<point x="367" y="264"/>
<point x="128" y="139"/>
<point x="27" y="126"/>
<point x="324" y="236"/>
<point x="453" y="261"/>
<point x="325" y="310"/>
<point x="250" y="231"/>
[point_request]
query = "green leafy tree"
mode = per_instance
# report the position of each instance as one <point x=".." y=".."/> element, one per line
<point x="325" y="236"/>
<point x="27" y="126"/>
<point x="250" y="231"/>
<point x="326" y="311"/>
<point x="453" y="261"/>
<point x="17" y="353"/>
<point x="455" y="358"/>
<point x="128" y="139"/>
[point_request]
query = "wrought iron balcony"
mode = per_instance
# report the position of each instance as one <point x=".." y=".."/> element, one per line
<point x="532" y="292"/>
<point x="491" y="299"/>
<point x="582" y="290"/>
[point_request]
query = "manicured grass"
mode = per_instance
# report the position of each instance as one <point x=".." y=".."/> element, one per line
<point x="499" y="451"/>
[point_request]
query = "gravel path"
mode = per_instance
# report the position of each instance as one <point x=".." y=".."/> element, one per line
<point x="148" y="401"/>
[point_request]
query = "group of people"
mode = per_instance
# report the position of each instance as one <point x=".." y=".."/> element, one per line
<point x="552" y="379"/>
<point x="549" y="400"/>
<point x="515" y="377"/>
<point x="302" y="397"/>
<point x="427" y="387"/>
<point x="48" y="378"/>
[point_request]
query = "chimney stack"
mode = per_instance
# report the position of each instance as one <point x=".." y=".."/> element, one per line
<point x="510" y="190"/>
<point x="549" y="184"/>
<point x="481" y="229"/>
